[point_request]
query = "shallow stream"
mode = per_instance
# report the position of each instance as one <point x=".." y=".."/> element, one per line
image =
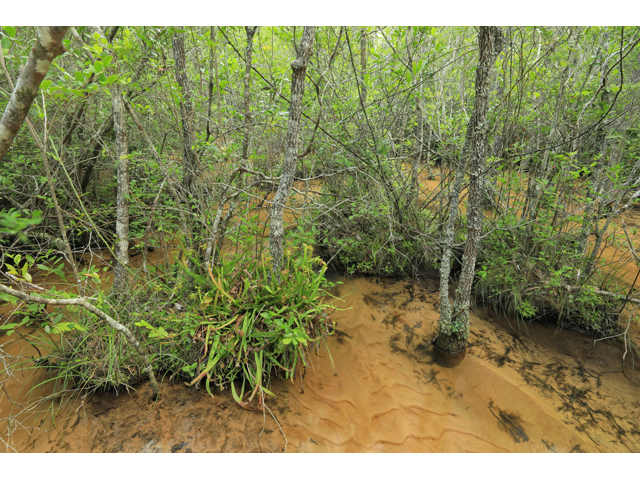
<point x="534" y="390"/>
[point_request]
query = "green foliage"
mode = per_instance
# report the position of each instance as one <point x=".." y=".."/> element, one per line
<point x="368" y="235"/>
<point x="232" y="323"/>
<point x="12" y="222"/>
<point x="541" y="282"/>
<point x="250" y="326"/>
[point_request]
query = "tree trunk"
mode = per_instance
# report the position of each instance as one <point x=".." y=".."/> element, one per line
<point x="121" y="272"/>
<point x="118" y="118"/>
<point x="298" y="69"/>
<point x="186" y="112"/>
<point x="247" y="93"/>
<point x="453" y="330"/>
<point x="48" y="46"/>
<point x="363" y="63"/>
<point x="212" y="61"/>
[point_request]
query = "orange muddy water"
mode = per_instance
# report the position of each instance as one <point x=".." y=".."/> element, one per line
<point x="516" y="391"/>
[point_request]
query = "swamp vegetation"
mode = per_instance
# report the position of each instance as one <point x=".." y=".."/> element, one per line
<point x="176" y="204"/>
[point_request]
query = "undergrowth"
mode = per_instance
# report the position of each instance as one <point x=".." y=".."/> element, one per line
<point x="229" y="325"/>
<point x="539" y="278"/>
<point x="366" y="229"/>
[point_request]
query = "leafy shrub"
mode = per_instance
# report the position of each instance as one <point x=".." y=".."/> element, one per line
<point x="541" y="282"/>
<point x="370" y="234"/>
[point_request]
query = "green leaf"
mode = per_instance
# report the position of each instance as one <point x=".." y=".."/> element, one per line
<point x="45" y="84"/>
<point x="7" y="298"/>
<point x="107" y="59"/>
<point x="10" y="31"/>
<point x="98" y="66"/>
<point x="6" y="43"/>
<point x="27" y="277"/>
<point x="79" y="77"/>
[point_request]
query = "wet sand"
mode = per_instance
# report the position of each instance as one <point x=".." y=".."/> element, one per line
<point x="516" y="391"/>
<point x="533" y="389"/>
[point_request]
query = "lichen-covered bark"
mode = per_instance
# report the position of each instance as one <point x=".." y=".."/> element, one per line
<point x="447" y="247"/>
<point x="186" y="112"/>
<point x="247" y="92"/>
<point x="363" y="63"/>
<point x="213" y="64"/>
<point x="48" y="46"/>
<point x="298" y="69"/>
<point x="453" y="331"/>
<point x="121" y="273"/>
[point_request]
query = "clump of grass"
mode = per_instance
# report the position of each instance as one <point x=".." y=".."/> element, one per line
<point x="229" y="325"/>
<point x="249" y="326"/>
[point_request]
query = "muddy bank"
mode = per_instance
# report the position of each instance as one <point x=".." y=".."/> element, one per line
<point x="535" y="391"/>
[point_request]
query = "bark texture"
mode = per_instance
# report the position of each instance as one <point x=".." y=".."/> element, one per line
<point x="213" y="64"/>
<point x="186" y="112"/>
<point x="48" y="46"/>
<point x="363" y="63"/>
<point x="247" y="92"/>
<point x="121" y="274"/>
<point x="298" y="69"/>
<point x="453" y="330"/>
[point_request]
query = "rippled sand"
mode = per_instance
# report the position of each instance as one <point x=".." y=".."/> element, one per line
<point x="514" y="392"/>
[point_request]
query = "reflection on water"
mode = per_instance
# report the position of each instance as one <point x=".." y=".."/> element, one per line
<point x="533" y="391"/>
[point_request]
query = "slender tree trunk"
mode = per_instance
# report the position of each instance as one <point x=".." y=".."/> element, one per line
<point x="212" y="61"/>
<point x="298" y="69"/>
<point x="246" y="141"/>
<point x="121" y="268"/>
<point x="453" y="330"/>
<point x="186" y="112"/>
<point x="121" y="271"/>
<point x="48" y="46"/>
<point x="363" y="64"/>
<point x="449" y="235"/>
